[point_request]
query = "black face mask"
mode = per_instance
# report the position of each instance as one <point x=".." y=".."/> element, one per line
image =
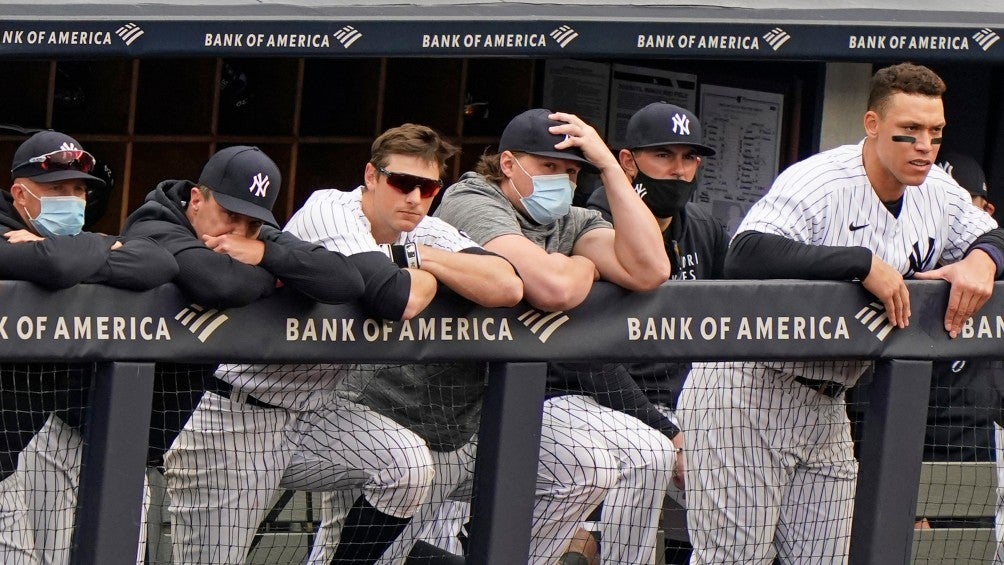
<point x="665" y="197"/>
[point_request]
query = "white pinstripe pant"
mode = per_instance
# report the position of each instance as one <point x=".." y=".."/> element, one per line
<point x="770" y="471"/>
<point x="231" y="458"/>
<point x="587" y="450"/>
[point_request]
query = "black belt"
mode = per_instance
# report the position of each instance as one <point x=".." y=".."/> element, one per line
<point x="826" y="388"/>
<point x="225" y="389"/>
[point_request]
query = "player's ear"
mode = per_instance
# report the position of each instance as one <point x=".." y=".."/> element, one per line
<point x="505" y="163"/>
<point x="871" y="122"/>
<point x="627" y="163"/>
<point x="370" y="176"/>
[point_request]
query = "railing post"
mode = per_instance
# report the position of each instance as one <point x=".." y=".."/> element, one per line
<point x="892" y="447"/>
<point x="506" y="468"/>
<point x="111" y="480"/>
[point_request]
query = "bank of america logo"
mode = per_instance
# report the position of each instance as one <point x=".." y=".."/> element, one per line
<point x="986" y="37"/>
<point x="874" y="318"/>
<point x="129" y="33"/>
<point x="347" y="36"/>
<point x="200" y="321"/>
<point x="776" y="38"/>
<point x="564" y="35"/>
<point x="542" y="324"/>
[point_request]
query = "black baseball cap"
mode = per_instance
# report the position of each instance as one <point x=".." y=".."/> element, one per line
<point x="528" y="133"/>
<point x="661" y="123"/>
<point x="44" y="143"/>
<point x="244" y="180"/>
<point x="966" y="171"/>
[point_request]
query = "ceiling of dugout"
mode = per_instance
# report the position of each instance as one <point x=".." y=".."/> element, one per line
<point x="828" y="30"/>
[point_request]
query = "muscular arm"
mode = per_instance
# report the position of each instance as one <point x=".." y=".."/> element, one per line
<point x="483" y="278"/>
<point x="551" y="281"/>
<point x="625" y="255"/>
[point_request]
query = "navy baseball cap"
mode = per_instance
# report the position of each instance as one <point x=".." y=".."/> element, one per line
<point x="30" y="159"/>
<point x="244" y="180"/>
<point x="660" y="124"/>
<point x="966" y="171"/>
<point x="528" y="133"/>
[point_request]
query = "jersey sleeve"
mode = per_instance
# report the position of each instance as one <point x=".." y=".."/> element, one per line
<point x="55" y="262"/>
<point x="965" y="224"/>
<point x="323" y="275"/>
<point x="434" y="232"/>
<point x="479" y="216"/>
<point x="139" y="264"/>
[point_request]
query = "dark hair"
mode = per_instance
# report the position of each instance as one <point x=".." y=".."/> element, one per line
<point x="906" y="78"/>
<point x="415" y="140"/>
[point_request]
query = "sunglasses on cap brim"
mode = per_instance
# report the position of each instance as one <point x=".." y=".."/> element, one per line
<point x="62" y="160"/>
<point x="406" y="183"/>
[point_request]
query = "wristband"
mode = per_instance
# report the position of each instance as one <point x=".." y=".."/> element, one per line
<point x="404" y="256"/>
<point x="995" y="255"/>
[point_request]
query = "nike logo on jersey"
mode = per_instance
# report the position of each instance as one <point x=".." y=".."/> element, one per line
<point x="852" y="227"/>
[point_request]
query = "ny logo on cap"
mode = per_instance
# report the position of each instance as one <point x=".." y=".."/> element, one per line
<point x="259" y="185"/>
<point x="681" y="124"/>
<point x="68" y="147"/>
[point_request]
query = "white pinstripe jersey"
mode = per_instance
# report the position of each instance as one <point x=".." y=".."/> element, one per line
<point x="334" y="219"/>
<point x="828" y="200"/>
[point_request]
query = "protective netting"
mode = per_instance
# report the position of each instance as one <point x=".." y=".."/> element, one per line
<point x="357" y="463"/>
<point x="958" y="499"/>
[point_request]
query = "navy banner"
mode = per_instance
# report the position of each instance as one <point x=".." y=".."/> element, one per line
<point x="53" y="37"/>
<point x="682" y="320"/>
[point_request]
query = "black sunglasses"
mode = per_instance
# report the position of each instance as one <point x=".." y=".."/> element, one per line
<point x="63" y="160"/>
<point x="406" y="183"/>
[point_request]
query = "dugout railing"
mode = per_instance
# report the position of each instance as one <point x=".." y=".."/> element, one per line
<point x="741" y="320"/>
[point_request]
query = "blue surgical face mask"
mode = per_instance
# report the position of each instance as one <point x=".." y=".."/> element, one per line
<point x="551" y="198"/>
<point x="59" y="215"/>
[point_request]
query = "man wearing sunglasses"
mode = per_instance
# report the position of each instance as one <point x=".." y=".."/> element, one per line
<point x="384" y="224"/>
<point x="41" y="222"/>
<point x="223" y="234"/>
<point x="517" y="204"/>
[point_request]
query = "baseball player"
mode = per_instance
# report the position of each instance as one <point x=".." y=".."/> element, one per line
<point x="662" y="159"/>
<point x="41" y="221"/>
<point x="771" y="470"/>
<point x="279" y="426"/>
<point x="389" y="210"/>
<point x="517" y="204"/>
<point x="222" y="233"/>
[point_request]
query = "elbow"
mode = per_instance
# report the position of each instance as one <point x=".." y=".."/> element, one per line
<point x="556" y="299"/>
<point x="57" y="275"/>
<point x="650" y="279"/>
<point x="507" y="294"/>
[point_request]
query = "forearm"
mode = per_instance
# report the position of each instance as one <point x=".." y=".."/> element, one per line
<point x="637" y="235"/>
<point x="757" y="255"/>
<point x="312" y="270"/>
<point x="558" y="282"/>
<point x="422" y="291"/>
<point x="487" y="279"/>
